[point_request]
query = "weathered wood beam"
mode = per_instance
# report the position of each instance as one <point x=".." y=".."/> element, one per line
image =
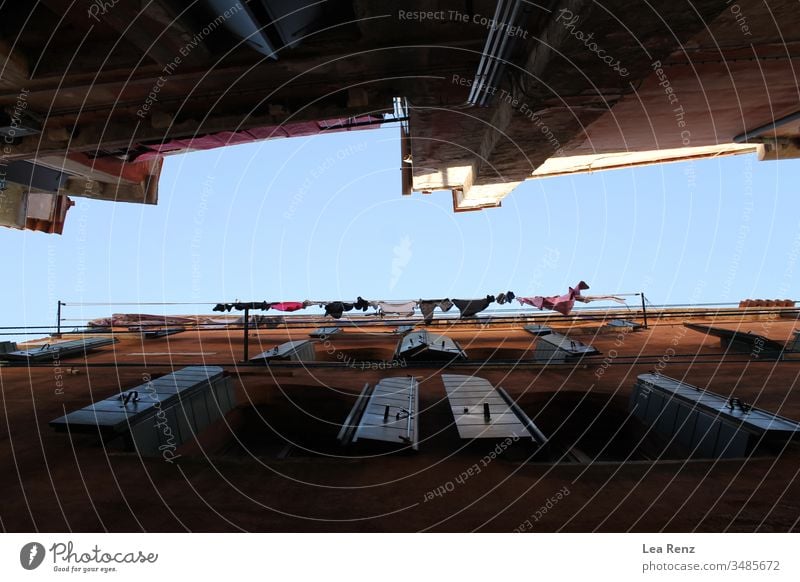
<point x="126" y="130"/>
<point x="14" y="70"/>
<point x="114" y="82"/>
<point x="157" y="31"/>
<point x="566" y="59"/>
<point x="116" y="191"/>
<point x="152" y="26"/>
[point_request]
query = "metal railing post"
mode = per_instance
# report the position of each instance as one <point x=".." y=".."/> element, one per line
<point x="246" y="334"/>
<point x="58" y="318"/>
<point x="644" y="310"/>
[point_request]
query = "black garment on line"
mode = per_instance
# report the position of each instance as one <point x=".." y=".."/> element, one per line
<point x="252" y="305"/>
<point x="426" y="306"/>
<point x="336" y="308"/>
<point x="507" y="297"/>
<point x="361" y="304"/>
<point x="470" y="307"/>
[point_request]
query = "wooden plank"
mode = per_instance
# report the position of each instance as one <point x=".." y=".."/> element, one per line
<point x="370" y="419"/>
<point x="624" y="323"/>
<point x="16" y="71"/>
<point x="756" y="345"/>
<point x="382" y="433"/>
<point x="457" y="384"/>
<point x="324" y="332"/>
<point x="350" y="423"/>
<point x="422" y="343"/>
<point x="495" y="409"/>
<point x="112" y="415"/>
<point x="85" y="420"/>
<point x="401" y="396"/>
<point x="507" y="417"/>
<point x="571" y="346"/>
<point x="384" y="400"/>
<point x="60" y="350"/>
<point x="538" y="330"/>
<point x="118" y="405"/>
<point x="468" y="396"/>
<point x="198" y="354"/>
<point x="158" y="333"/>
<point x="754" y="419"/>
<point x="493" y="431"/>
<point x="391" y="391"/>
<point x="469" y="390"/>
<point x="477" y="394"/>
<point x="291" y="349"/>
<point x="477" y="401"/>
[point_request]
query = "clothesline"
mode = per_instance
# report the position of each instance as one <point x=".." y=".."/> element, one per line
<point x="406" y="308"/>
<point x="318" y="302"/>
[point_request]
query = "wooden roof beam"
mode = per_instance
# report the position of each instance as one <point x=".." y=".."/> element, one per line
<point x="14" y="70"/>
<point x="561" y="64"/>
<point x="153" y="27"/>
<point x="124" y="132"/>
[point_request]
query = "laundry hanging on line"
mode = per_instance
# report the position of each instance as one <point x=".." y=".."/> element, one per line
<point x="467" y="307"/>
<point x="427" y="306"/>
<point x="239" y="306"/>
<point x="503" y="298"/>
<point x="561" y="303"/>
<point x="289" y="305"/>
<point x="335" y="309"/>
<point x="262" y="305"/>
<point x="471" y="307"/>
<point x="590" y="298"/>
<point x="400" y="308"/>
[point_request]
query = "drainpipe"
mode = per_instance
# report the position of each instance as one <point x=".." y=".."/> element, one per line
<point x="482" y="75"/>
<point x="495" y="52"/>
<point x="246" y="335"/>
<point x="754" y="133"/>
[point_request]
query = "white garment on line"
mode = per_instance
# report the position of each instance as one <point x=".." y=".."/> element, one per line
<point x="404" y="308"/>
<point x="590" y="298"/>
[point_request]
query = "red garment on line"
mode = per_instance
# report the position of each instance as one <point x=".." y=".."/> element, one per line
<point x="288" y="306"/>
<point x="561" y="303"/>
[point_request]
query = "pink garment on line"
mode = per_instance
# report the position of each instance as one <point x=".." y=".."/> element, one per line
<point x="288" y="306"/>
<point x="561" y="303"/>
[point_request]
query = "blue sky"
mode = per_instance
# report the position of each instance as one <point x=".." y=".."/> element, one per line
<point x="323" y="218"/>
